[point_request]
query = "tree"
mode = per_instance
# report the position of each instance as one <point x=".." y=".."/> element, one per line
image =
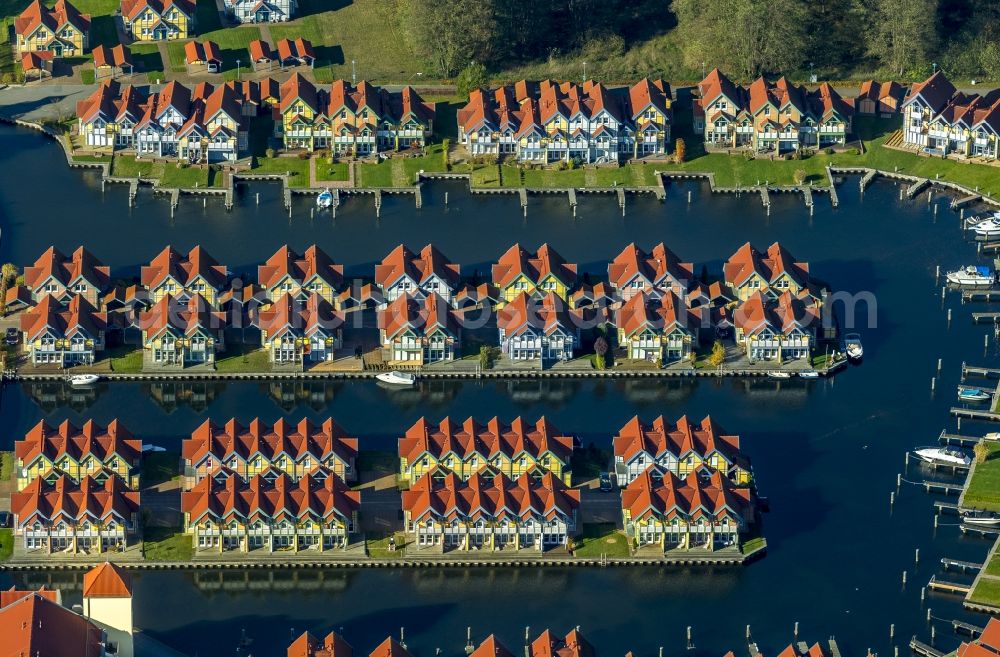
<point x="680" y="150"/>
<point x="473" y="76"/>
<point x="981" y="451"/>
<point x="718" y="355"/>
<point x="746" y="37"/>
<point x="800" y="176"/>
<point x="901" y="34"/>
<point x="601" y="346"/>
<point x="450" y="34"/>
<point x="989" y="60"/>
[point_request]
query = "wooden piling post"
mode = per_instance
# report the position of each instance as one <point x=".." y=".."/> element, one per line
<point x="916" y="556"/>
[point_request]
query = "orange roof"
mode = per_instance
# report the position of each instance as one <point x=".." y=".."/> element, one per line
<point x="423" y="317"/>
<point x="491" y="647"/>
<point x="12" y="595"/>
<point x="282" y="437"/>
<point x="987" y="645"/>
<point x="260" y="51"/>
<point x="107" y="581"/>
<point x="654" y="266"/>
<point x="318" y="494"/>
<point x="547" y="315"/>
<point x="402" y="262"/>
<point x="298" y="87"/>
<point x="781" y="315"/>
<point x="67" y="439"/>
<point x="36" y="60"/>
<point x="680" y="438"/>
<point x="37" y="626"/>
<point x="489" y="494"/>
<point x="534" y="266"/>
<point x="131" y="8"/>
<point x="62" y="13"/>
<point x="390" y="648"/>
<point x="648" y="92"/>
<point x="63" y="321"/>
<point x="117" y="56"/>
<point x="488" y="440"/>
<point x="184" y="269"/>
<point x="82" y="265"/>
<point x="197" y="53"/>
<point x="185" y="317"/>
<point x="702" y="492"/>
<point x="664" y="315"/>
<point x="572" y="645"/>
<point x="769" y="266"/>
<point x="300" y="268"/>
<point x="300" y="317"/>
<point x="87" y="498"/>
<point x="309" y="646"/>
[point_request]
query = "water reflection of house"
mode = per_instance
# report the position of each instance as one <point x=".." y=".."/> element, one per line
<point x="288" y="395"/>
<point x="170" y="395"/>
<point x="50" y="396"/>
<point x="333" y="645"/>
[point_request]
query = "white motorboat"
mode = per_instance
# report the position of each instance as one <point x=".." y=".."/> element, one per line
<point x="981" y="517"/>
<point x="970" y="394"/>
<point x="779" y="375"/>
<point x="852" y="345"/>
<point x="992" y="436"/>
<point x="83" y="379"/>
<point x="325" y="199"/>
<point x="972" y="276"/>
<point x="943" y="456"/>
<point x="987" y="228"/>
<point x="809" y="374"/>
<point x="397" y="378"/>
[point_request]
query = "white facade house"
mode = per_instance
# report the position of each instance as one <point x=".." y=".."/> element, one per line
<point x="261" y="11"/>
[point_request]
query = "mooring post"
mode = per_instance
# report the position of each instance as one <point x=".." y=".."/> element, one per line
<point x="916" y="556"/>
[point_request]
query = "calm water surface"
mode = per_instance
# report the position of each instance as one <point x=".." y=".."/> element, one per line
<point x="825" y="452"/>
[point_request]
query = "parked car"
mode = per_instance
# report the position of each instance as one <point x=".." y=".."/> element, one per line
<point x="605" y="480"/>
<point x="13" y="336"/>
<point x="6" y="519"/>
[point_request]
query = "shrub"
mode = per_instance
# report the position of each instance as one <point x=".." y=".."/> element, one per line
<point x="828" y="151"/>
<point x="304" y="155"/>
<point x="680" y="150"/>
<point x="853" y="151"/>
<point x="799" y="176"/>
<point x="471" y="77"/>
<point x="269" y="152"/>
<point x="748" y="155"/>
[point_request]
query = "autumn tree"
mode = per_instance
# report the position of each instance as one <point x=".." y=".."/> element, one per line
<point x="901" y="34"/>
<point x="718" y="355"/>
<point x="680" y="150"/>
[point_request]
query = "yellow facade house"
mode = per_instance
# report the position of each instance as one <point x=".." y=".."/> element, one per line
<point x="62" y="30"/>
<point x="158" y="20"/>
<point x="518" y="270"/>
<point x="77" y="452"/>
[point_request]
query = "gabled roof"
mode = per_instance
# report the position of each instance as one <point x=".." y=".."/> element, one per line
<point x="717" y="84"/>
<point x="659" y="315"/>
<point x="259" y="51"/>
<point x="421" y="316"/>
<point x="66" y="439"/>
<point x="88" y="498"/>
<point x="184" y="269"/>
<point x="107" y="581"/>
<point x="270" y="440"/>
<point x="491" y="647"/>
<point x="936" y="91"/>
<point x="116" y="56"/>
<point x="188" y="318"/>
<point x="654" y="267"/>
<point x="81" y="265"/>
<point x="662" y="437"/>
<point x="546" y="315"/>
<point x="62" y="13"/>
<point x="131" y="8"/>
<point x="301" y="268"/>
<point x="665" y="495"/>
<point x="420" y="268"/>
<point x="12" y="595"/>
<point x="535" y="266"/>
<point x="781" y="315"/>
<point x="208" y="51"/>
<point x="35" y="625"/>
<point x="494" y="438"/>
<point x="309" y="646"/>
<point x="769" y="266"/>
<point x="63" y="321"/>
<point x="646" y="92"/>
<point x="298" y="49"/>
<point x="572" y="645"/>
<point x="877" y="91"/>
<point x="301" y="317"/>
<point x="298" y="87"/>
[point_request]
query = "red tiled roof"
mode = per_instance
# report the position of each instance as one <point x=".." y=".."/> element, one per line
<point x="782" y="315"/>
<point x="493" y="495"/>
<point x="107" y="581"/>
<point x="12" y="595"/>
<point x="81" y="265"/>
<point x="260" y="51"/>
<point x="197" y="53"/>
<point x="777" y="261"/>
<point x="131" y="8"/>
<point x="648" y="92"/>
<point x="572" y="645"/>
<point x="421" y="316"/>
<point x="301" y="268"/>
<point x="183" y="269"/>
<point x="548" y="315"/>
<point x="701" y="493"/>
<point x="36" y="14"/>
<point x="488" y="440"/>
<point x="188" y="318"/>
<point x="654" y="266"/>
<point x="36" y="626"/>
<point x="491" y="647"/>
<point x="300" y="317"/>
<point x="66" y="439"/>
<point x="661" y="437"/>
<point x="282" y="497"/>
<point x="76" y="500"/>
<point x="63" y="321"/>
<point x="534" y="266"/>
<point x="663" y="315"/>
<point x="309" y="646"/>
<point x="295" y="440"/>
<point x="36" y="60"/>
<point x="117" y="56"/>
<point x="420" y="268"/>
<point x="298" y="87"/>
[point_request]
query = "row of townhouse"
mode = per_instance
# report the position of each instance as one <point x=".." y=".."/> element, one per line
<point x="939" y="120"/>
<point x="651" y="305"/>
<point x="158" y="20"/>
<point x="351" y="120"/>
<point x="548" y="121"/>
<point x="77" y="488"/>
<point x="203" y="124"/>
<point x="490" y="511"/>
<point x="770" y="116"/>
<point x="59" y="31"/>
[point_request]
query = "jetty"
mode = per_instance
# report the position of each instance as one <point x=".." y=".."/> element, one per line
<point x="923" y="649"/>
<point x="917" y="187"/>
<point x="975" y="414"/>
<point x="936" y="584"/>
<point x="958" y="440"/>
<point x="979" y="371"/>
<point x="963" y="201"/>
<point x="964" y="566"/>
<point x="984" y="296"/>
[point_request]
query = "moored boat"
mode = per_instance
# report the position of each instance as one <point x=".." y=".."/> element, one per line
<point x="809" y="374"/>
<point x="970" y="394"/>
<point x="943" y="456"/>
<point x="988" y="228"/>
<point x="779" y="375"/>
<point x="981" y="517"/>
<point x="852" y="345"/>
<point x="325" y="199"/>
<point x="972" y="276"/>
<point x="397" y="378"/>
<point x="83" y="379"/>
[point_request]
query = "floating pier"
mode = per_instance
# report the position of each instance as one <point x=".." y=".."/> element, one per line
<point x="965" y="200"/>
<point x="979" y="371"/>
<point x="961" y="627"/>
<point x="958" y="440"/>
<point x="916" y="187"/>
<point x="940" y="487"/>
<point x="986" y="296"/>
<point x="942" y="506"/>
<point x="765" y="197"/>
<point x="975" y="414"/>
<point x="964" y="566"/>
<point x="936" y="584"/>
<point x="981" y="530"/>
<point x="807" y="196"/>
<point x="980" y="318"/>
<point x="923" y="649"/>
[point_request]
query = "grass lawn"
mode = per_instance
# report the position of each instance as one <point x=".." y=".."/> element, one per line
<point x="238" y="359"/>
<point x="297" y="168"/>
<point x="6" y="466"/>
<point x="174" y="175"/>
<point x="993" y="567"/>
<point x="987" y="592"/>
<point x="87" y="76"/>
<point x="377" y="546"/>
<point x="335" y="171"/>
<point x="233" y="43"/>
<point x="378" y="175"/>
<point x="126" y="166"/>
<point x="166" y="544"/>
<point x="6" y="544"/>
<point x="126" y="359"/>
<point x="146" y="57"/>
<point x="158" y="467"/>
<point x="753" y="544"/>
<point x="983" y="491"/>
<point x="601" y="538"/>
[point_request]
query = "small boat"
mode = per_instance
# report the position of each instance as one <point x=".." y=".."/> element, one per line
<point x="397" y="378"/>
<point x="987" y="228"/>
<point x="779" y="375"/>
<point x="149" y="447"/>
<point x="981" y="517"/>
<point x="992" y="436"/>
<point x="852" y="345"/>
<point x="325" y="199"/>
<point x="83" y="379"/>
<point x="943" y="456"/>
<point x="809" y="374"/>
<point x="969" y="394"/>
<point x="972" y="276"/>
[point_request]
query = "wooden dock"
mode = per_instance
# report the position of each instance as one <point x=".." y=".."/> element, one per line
<point x="964" y="566"/>
<point x="940" y="487"/>
<point x="957" y="440"/>
<point x="936" y="584"/>
<point x="946" y="506"/>
<point x="979" y="529"/>
<point x="975" y="414"/>
<point x="923" y="649"/>
<point x="980" y="318"/>
<point x="978" y="371"/>
<point x="807" y="196"/>
<point x="985" y="296"/>
<point x="916" y="187"/>
<point x="765" y="197"/>
<point x="961" y="627"/>
<point x="867" y="178"/>
<point x="957" y="203"/>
